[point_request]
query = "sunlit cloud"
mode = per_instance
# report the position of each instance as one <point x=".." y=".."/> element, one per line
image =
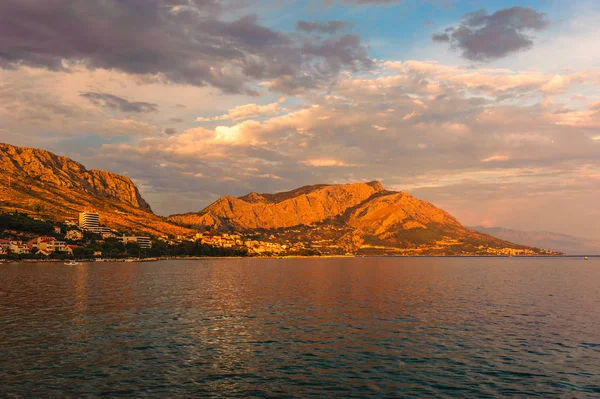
<point x="230" y="101"/>
<point x="496" y="158"/>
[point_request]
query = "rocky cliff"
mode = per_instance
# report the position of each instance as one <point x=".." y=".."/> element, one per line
<point x="43" y="184"/>
<point x="47" y="168"/>
<point x="303" y="206"/>
<point x="358" y="218"/>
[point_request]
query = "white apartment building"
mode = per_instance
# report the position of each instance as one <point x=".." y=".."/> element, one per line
<point x="143" y="242"/>
<point x="89" y="221"/>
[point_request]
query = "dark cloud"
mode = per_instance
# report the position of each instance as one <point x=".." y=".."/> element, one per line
<point x="169" y="131"/>
<point x="483" y="37"/>
<point x="182" y="41"/>
<point x="441" y="37"/>
<point x="330" y="27"/>
<point x="118" y="103"/>
<point x="340" y="51"/>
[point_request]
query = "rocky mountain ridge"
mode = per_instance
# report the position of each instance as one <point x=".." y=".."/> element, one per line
<point x="43" y="184"/>
<point x="46" y="167"/>
<point x="305" y="205"/>
<point x="359" y="218"/>
<point x="355" y="218"/>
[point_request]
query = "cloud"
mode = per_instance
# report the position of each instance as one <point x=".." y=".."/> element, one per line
<point x="442" y="122"/>
<point x="496" y="158"/>
<point x="117" y="103"/>
<point x="189" y="42"/>
<point x="325" y="163"/>
<point x="330" y="27"/>
<point x="484" y="37"/>
<point x="340" y="51"/>
<point x="125" y="128"/>
<point x="247" y="111"/>
<point x="372" y="2"/>
<point x="589" y="118"/>
<point x="467" y="128"/>
<point x="503" y="84"/>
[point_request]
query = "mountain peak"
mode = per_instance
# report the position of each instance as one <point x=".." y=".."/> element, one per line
<point x="255" y="197"/>
<point x="376" y="185"/>
<point x="302" y="206"/>
<point x="360" y="218"/>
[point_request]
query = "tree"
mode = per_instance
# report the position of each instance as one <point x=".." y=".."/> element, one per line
<point x="38" y="208"/>
<point x="133" y="249"/>
<point x="79" y="252"/>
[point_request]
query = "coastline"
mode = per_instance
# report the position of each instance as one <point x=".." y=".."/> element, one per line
<point x="146" y="260"/>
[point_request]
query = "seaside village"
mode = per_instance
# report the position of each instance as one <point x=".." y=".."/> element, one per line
<point x="70" y="238"/>
<point x="85" y="237"/>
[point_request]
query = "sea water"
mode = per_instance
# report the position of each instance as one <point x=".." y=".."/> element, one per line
<point x="298" y="328"/>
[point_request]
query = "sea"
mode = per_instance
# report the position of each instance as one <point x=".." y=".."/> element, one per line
<point x="302" y="328"/>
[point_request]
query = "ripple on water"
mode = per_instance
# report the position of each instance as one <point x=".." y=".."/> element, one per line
<point x="348" y="328"/>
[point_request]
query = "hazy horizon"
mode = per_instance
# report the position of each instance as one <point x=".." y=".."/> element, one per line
<point x="490" y="111"/>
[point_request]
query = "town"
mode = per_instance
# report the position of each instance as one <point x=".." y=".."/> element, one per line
<point x="24" y="237"/>
<point x="86" y="238"/>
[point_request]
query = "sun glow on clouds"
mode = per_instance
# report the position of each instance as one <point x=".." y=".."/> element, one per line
<point x="496" y="158"/>
<point x="325" y="163"/>
<point x="247" y="111"/>
<point x="282" y="110"/>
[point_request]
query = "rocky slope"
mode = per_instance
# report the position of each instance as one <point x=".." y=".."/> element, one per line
<point x="358" y="218"/>
<point x="48" y="168"/>
<point x="43" y="184"/>
<point x="303" y="206"/>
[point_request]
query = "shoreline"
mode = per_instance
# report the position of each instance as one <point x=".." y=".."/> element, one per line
<point x="146" y="260"/>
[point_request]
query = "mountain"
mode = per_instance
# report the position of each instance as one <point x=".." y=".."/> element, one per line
<point x="362" y="218"/>
<point x="558" y="242"/>
<point x="305" y="205"/>
<point x="41" y="183"/>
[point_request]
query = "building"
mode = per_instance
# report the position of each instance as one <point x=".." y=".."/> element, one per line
<point x="51" y="245"/>
<point x="44" y="252"/>
<point x="143" y="242"/>
<point x="74" y="235"/>
<point x="69" y="249"/>
<point x="89" y="221"/>
<point x="35" y="242"/>
<point x="100" y="230"/>
<point x="17" y="247"/>
<point x="11" y="246"/>
<point x="4" y="244"/>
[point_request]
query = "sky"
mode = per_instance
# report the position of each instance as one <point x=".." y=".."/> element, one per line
<point x="488" y="109"/>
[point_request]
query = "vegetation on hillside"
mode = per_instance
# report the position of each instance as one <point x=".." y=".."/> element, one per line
<point x="21" y="222"/>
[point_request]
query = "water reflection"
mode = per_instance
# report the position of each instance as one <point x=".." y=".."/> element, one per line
<point x="301" y="328"/>
<point x="79" y="330"/>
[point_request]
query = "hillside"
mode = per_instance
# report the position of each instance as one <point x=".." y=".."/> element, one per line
<point x="559" y="242"/>
<point x="361" y="218"/>
<point x="43" y="184"/>
<point x="306" y="205"/>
